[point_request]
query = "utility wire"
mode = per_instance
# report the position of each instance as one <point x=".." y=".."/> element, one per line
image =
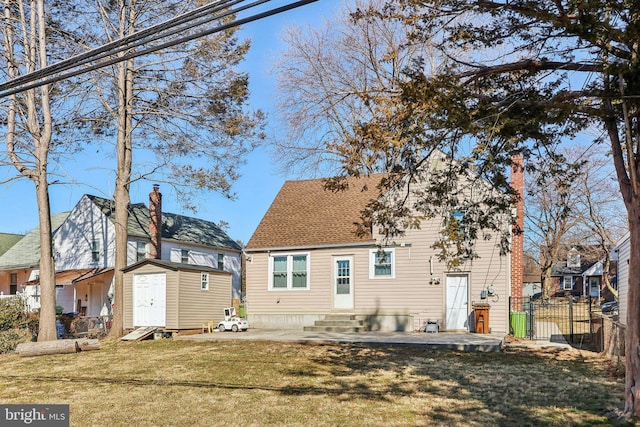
<point x="120" y="44"/>
<point x="41" y="77"/>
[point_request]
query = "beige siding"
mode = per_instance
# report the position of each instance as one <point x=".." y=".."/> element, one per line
<point x="197" y="306"/>
<point x="405" y="301"/>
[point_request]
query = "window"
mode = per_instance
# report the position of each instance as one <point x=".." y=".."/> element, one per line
<point x="95" y="250"/>
<point x="220" y="261"/>
<point x="289" y="271"/>
<point x="204" y="282"/>
<point x="184" y="257"/>
<point x="13" y="284"/>
<point x="141" y="251"/>
<point x="567" y="283"/>
<point x="382" y="264"/>
<point x="573" y="258"/>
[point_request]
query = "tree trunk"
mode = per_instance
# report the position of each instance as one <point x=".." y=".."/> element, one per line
<point x="123" y="175"/>
<point x="56" y="347"/>
<point x="47" y="325"/>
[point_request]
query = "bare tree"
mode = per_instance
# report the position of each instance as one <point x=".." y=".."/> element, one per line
<point x="333" y="79"/>
<point x="28" y="132"/>
<point x="185" y="105"/>
<point x="549" y="215"/>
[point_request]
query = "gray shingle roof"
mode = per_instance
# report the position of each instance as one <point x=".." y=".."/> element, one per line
<point x="174" y="227"/>
<point x="7" y="240"/>
<point x="26" y="252"/>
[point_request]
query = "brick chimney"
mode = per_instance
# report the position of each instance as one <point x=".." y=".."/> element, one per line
<point x="517" y="242"/>
<point x="155" y="222"/>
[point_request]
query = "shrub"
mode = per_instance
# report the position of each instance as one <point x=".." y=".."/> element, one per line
<point x="12" y="313"/>
<point x="16" y="325"/>
<point x="10" y="339"/>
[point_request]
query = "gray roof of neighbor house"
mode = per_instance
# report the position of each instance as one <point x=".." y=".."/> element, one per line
<point x="26" y="252"/>
<point x="305" y="213"/>
<point x="7" y="240"/>
<point x="174" y="227"/>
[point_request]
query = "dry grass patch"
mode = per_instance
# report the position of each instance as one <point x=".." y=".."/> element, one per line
<point x="182" y="383"/>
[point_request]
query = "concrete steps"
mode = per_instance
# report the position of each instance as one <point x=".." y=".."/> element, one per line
<point x="337" y="323"/>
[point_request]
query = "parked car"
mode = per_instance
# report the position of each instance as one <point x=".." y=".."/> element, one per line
<point x="610" y="307"/>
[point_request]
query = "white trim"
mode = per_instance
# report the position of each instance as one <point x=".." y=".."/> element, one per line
<point x="289" y="256"/>
<point x="204" y="281"/>
<point x="564" y="288"/>
<point x="372" y="262"/>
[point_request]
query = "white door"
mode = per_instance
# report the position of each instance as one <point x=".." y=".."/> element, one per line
<point x="457" y="307"/>
<point x="343" y="283"/>
<point x="149" y="299"/>
<point x="594" y="287"/>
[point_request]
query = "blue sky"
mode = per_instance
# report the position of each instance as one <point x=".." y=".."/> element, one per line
<point x="260" y="180"/>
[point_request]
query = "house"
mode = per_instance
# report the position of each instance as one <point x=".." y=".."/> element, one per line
<point x="580" y="273"/>
<point x="7" y="241"/>
<point x="20" y="262"/>
<point x="532" y="277"/>
<point x="174" y="296"/>
<point x="83" y="244"/>
<point x="305" y="264"/>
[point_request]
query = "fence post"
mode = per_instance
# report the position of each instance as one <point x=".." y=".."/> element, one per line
<point x="571" y="318"/>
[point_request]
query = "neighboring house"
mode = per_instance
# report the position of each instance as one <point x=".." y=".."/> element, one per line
<point x="174" y="296"/>
<point x="578" y="274"/>
<point x="83" y="247"/>
<point x="623" y="249"/>
<point x="20" y="263"/>
<point x="7" y="241"/>
<point x="532" y="277"/>
<point x="304" y="263"/>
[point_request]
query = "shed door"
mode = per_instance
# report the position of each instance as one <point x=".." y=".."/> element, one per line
<point x="149" y="299"/>
<point x="343" y="283"/>
<point x="457" y="310"/>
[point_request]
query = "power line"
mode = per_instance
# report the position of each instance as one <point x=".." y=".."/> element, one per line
<point x="42" y="76"/>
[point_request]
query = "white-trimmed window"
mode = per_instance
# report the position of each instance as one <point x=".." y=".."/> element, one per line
<point x="141" y="250"/>
<point x="382" y="263"/>
<point x="220" y="261"/>
<point x="95" y="250"/>
<point x="184" y="256"/>
<point x="289" y="271"/>
<point x="204" y="281"/>
<point x="567" y="283"/>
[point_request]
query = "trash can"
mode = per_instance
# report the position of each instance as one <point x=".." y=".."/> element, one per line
<point x="518" y="323"/>
<point x="481" y="317"/>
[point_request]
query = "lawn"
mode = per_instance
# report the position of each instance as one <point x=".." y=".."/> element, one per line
<point x="232" y="383"/>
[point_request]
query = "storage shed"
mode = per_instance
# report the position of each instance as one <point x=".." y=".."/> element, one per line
<point x="174" y="296"/>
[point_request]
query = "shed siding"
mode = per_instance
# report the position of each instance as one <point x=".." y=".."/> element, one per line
<point x="187" y="306"/>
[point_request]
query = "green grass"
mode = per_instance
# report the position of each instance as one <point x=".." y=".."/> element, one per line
<point x="183" y="383"/>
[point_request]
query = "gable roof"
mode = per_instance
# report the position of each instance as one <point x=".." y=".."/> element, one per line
<point x="7" y="240"/>
<point x="26" y="252"/>
<point x="174" y="227"/>
<point x="305" y="214"/>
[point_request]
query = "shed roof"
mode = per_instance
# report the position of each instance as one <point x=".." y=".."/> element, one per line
<point x="173" y="266"/>
<point x="305" y="213"/>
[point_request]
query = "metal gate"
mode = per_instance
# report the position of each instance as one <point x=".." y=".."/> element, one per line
<point x="564" y="320"/>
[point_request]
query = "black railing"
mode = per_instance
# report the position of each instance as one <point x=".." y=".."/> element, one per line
<point x="557" y="320"/>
